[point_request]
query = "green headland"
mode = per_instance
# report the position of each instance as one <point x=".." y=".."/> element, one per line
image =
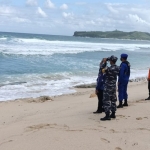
<point x="135" y="35"/>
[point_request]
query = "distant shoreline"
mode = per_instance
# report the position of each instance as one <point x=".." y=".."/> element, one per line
<point x="135" y="35"/>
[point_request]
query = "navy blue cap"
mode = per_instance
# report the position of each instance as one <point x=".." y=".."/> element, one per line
<point x="124" y="56"/>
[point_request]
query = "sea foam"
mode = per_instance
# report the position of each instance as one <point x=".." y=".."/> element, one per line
<point x="20" y="46"/>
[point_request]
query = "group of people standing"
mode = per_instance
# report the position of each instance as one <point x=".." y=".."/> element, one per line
<point x="106" y="86"/>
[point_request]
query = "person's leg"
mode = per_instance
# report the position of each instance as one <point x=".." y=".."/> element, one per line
<point x="125" y="97"/>
<point x="100" y="102"/>
<point x="149" y="87"/>
<point x="113" y="105"/>
<point x="100" y="98"/>
<point x="120" y="95"/>
<point x="148" y="90"/>
<point x="106" y="104"/>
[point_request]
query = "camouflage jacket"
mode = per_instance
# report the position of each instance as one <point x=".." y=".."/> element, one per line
<point x="111" y="74"/>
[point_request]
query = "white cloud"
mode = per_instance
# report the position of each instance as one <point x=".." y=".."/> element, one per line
<point x="41" y="13"/>
<point x="20" y="20"/>
<point x="137" y="19"/>
<point x="49" y="4"/>
<point x="11" y="15"/>
<point x="111" y="8"/>
<point x="31" y="2"/>
<point x="91" y="22"/>
<point x="64" y="7"/>
<point x="7" y="11"/>
<point x="68" y="15"/>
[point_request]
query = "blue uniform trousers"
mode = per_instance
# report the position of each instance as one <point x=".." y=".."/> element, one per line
<point x="122" y="91"/>
<point x="100" y="100"/>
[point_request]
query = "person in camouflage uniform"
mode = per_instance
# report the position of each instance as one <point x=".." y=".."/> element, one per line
<point x="109" y="93"/>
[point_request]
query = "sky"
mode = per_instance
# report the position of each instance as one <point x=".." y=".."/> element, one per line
<point x="63" y="17"/>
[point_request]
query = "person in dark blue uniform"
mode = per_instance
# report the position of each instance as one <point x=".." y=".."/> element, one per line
<point x="99" y="89"/>
<point x="123" y="80"/>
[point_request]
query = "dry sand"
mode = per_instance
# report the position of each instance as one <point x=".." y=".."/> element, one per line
<point x="67" y="123"/>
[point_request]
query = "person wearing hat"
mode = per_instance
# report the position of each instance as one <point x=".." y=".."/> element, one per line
<point x="148" y="79"/>
<point x="123" y="79"/>
<point x="109" y="92"/>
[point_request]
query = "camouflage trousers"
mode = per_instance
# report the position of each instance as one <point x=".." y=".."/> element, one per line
<point x="109" y="99"/>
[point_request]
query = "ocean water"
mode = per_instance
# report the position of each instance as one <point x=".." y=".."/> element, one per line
<point x="34" y="65"/>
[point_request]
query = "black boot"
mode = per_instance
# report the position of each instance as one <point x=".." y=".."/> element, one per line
<point x="103" y="110"/>
<point x="107" y="117"/>
<point x="120" y="105"/>
<point x="113" y="115"/>
<point x="125" y="103"/>
<point x="98" y="112"/>
<point x="148" y="98"/>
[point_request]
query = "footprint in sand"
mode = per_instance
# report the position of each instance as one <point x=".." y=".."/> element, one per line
<point x="118" y="148"/>
<point x="102" y="127"/>
<point x="139" y="118"/>
<point x="65" y="126"/>
<point x="113" y="131"/>
<point x="68" y="128"/>
<point x="134" y="144"/>
<point x="48" y="126"/>
<point x="40" y="126"/>
<point x="144" y="129"/>
<point x="104" y="140"/>
<point x="140" y="101"/>
<point x="121" y="116"/>
<point x="74" y="130"/>
<point x="6" y="142"/>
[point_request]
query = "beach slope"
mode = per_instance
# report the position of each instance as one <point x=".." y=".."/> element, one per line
<point x="67" y="123"/>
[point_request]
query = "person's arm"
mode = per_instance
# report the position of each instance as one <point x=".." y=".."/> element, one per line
<point x="100" y="75"/>
<point x="121" y="73"/>
<point x="97" y="84"/>
<point x="104" y="65"/>
<point x="99" y="81"/>
<point x="148" y="76"/>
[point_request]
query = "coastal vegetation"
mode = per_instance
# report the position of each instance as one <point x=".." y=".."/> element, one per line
<point x="136" y="35"/>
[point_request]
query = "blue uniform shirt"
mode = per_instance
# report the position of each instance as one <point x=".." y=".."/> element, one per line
<point x="100" y="81"/>
<point x="124" y="73"/>
<point x="101" y="78"/>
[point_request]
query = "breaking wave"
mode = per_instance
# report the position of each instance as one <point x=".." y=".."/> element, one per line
<point x="22" y="46"/>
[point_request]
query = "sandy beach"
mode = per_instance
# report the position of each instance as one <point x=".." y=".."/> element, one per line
<point x="67" y="123"/>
